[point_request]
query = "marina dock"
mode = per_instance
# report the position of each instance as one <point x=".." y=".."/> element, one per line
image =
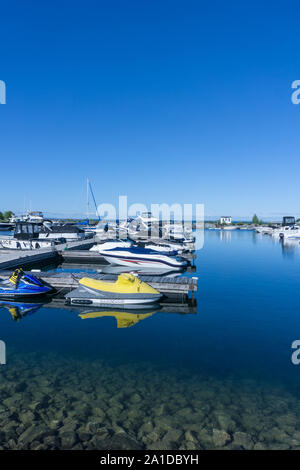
<point x="165" y="306"/>
<point x="78" y="254"/>
<point x="179" y="287"/>
<point x="11" y="259"/>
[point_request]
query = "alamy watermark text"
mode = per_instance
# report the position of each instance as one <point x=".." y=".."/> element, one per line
<point x="2" y="92"/>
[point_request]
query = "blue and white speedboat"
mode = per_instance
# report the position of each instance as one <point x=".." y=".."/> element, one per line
<point x="137" y="256"/>
<point x="22" y="285"/>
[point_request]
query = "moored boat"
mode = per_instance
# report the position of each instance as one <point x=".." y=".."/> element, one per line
<point x="127" y="289"/>
<point x="137" y="256"/>
<point x="27" y="236"/>
<point x="21" y="285"/>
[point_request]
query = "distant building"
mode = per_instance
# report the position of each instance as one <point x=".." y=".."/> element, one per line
<point x="225" y="220"/>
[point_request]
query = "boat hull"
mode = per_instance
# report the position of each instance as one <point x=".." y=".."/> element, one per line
<point x="15" y="244"/>
<point x="142" y="262"/>
<point x="87" y="296"/>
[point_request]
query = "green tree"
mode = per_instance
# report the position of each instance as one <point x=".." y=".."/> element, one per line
<point x="1" y="216"/>
<point x="255" y="219"/>
<point x="7" y="215"/>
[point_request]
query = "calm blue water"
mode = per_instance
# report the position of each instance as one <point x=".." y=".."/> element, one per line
<point x="232" y="358"/>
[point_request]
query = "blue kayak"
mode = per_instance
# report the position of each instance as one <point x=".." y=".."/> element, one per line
<point x="21" y="284"/>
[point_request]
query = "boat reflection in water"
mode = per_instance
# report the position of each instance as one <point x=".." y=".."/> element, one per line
<point x="290" y="246"/>
<point x="19" y="310"/>
<point x="132" y="315"/>
<point x="111" y="269"/>
<point x="125" y="319"/>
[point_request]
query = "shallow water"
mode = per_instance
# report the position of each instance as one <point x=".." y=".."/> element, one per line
<point x="220" y="378"/>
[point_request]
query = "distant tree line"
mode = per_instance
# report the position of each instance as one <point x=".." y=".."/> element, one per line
<point x="256" y="221"/>
<point x="5" y="216"/>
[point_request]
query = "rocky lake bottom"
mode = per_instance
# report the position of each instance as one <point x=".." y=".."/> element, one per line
<point x="54" y="402"/>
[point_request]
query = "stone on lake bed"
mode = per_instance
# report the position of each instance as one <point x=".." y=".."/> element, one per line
<point x="220" y="437"/>
<point x="35" y="432"/>
<point x="68" y="439"/>
<point x="95" y="426"/>
<point x="243" y="439"/>
<point x="26" y="417"/>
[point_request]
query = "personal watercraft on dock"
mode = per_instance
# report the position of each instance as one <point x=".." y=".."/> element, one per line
<point x="127" y="289"/>
<point x="22" y="285"/>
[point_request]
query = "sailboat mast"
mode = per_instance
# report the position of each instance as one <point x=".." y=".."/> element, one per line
<point x="88" y="191"/>
<point x="87" y="198"/>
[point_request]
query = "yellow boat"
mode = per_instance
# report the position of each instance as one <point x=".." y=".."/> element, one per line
<point x="127" y="289"/>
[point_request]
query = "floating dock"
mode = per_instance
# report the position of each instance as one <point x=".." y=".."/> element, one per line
<point x="11" y="259"/>
<point x="165" y="306"/>
<point x="170" y="287"/>
<point x="178" y="287"/>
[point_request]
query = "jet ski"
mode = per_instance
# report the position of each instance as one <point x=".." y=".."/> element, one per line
<point x="137" y="256"/>
<point x="127" y="289"/>
<point x="21" y="284"/>
<point x="19" y="310"/>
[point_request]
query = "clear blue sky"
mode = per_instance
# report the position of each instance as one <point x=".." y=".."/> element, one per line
<point x="164" y="101"/>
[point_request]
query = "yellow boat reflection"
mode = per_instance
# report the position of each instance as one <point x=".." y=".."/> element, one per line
<point x="124" y="319"/>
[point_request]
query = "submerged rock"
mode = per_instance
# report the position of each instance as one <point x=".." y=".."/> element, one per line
<point x="68" y="439"/>
<point x="35" y="432"/>
<point x="220" y="437"/>
<point x="244" y="440"/>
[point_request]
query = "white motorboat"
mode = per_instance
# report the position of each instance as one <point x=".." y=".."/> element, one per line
<point x="65" y="231"/>
<point x="264" y="230"/>
<point x="162" y="248"/>
<point x="143" y="225"/>
<point x="109" y="244"/>
<point x="32" y="235"/>
<point x="11" y="243"/>
<point x="177" y="230"/>
<point x="136" y="256"/>
<point x="98" y="229"/>
<point x="30" y="216"/>
<point x="291" y="232"/>
<point x="177" y="233"/>
<point x="26" y="236"/>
